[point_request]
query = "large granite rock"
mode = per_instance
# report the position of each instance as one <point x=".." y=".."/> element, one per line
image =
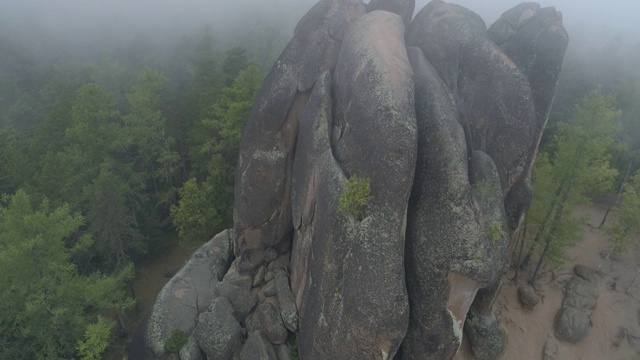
<point x="444" y="132"/>
<point x="183" y="298"/>
<point x="347" y="272"/>
<point x="455" y="231"/>
<point x="262" y="207"/>
<point x="573" y="320"/>
<point x="404" y="8"/>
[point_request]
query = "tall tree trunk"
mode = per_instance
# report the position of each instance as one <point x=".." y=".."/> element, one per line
<point x="523" y="235"/>
<point x="604" y="219"/>
<point x="549" y="236"/>
<point x="542" y="230"/>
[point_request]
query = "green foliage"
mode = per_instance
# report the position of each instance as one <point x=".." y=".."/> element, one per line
<point x="47" y="303"/>
<point x="496" y="231"/>
<point x="484" y="189"/>
<point x="176" y="341"/>
<point x="626" y="227"/>
<point x="355" y="197"/>
<point x="234" y="62"/>
<point x="206" y="202"/>
<point x="96" y="339"/>
<point x="293" y="347"/>
<point x="195" y="217"/>
<point x="572" y="167"/>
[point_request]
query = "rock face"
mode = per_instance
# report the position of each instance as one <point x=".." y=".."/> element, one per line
<point x="440" y="119"/>
<point x="262" y="208"/>
<point x="348" y="272"/>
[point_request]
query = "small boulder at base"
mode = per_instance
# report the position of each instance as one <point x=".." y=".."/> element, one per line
<point x="528" y="297"/>
<point x="486" y="337"/>
<point x="218" y="333"/>
<point x="550" y="350"/>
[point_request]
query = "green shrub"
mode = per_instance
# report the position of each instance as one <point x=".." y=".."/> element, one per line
<point x="293" y="346"/>
<point x="485" y="189"/>
<point x="355" y="197"/>
<point x="495" y="231"/>
<point x="96" y="339"/>
<point x="176" y="341"/>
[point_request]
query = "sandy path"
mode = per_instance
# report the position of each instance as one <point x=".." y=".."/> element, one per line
<point x="529" y="330"/>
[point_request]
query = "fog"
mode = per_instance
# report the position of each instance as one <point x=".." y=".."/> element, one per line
<point x="55" y="28"/>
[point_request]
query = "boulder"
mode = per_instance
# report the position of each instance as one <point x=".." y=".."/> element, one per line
<point x="581" y="294"/>
<point x="242" y="300"/>
<point x="404" y="8"/>
<point x="341" y="262"/>
<point x="183" y="298"/>
<point x="191" y="350"/>
<point x="486" y="337"/>
<point x="271" y="323"/>
<point x="257" y="347"/>
<point x="528" y="297"/>
<point x="288" y="309"/>
<point x="218" y="333"/>
<point x="262" y="208"/>
<point x="586" y="273"/>
<point x="571" y="324"/>
<point x="550" y="350"/>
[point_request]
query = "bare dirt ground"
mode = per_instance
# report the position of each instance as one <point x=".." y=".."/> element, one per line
<point x="615" y="332"/>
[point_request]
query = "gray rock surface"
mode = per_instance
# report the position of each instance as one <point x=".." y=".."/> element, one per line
<point x="191" y="350"/>
<point x="550" y="350"/>
<point x="271" y="323"/>
<point x="242" y="300"/>
<point x="445" y="205"/>
<point x="218" y="333"/>
<point x="257" y="347"/>
<point x="288" y="309"/>
<point x="581" y="294"/>
<point x="528" y="297"/>
<point x="344" y="313"/>
<point x="404" y="8"/>
<point x="487" y="339"/>
<point x="573" y="322"/>
<point x="262" y="210"/>
<point x="183" y="298"/>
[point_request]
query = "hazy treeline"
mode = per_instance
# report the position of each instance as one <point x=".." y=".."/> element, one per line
<point x="109" y="155"/>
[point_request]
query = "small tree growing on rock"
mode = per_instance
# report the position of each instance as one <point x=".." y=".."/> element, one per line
<point x="355" y="197"/>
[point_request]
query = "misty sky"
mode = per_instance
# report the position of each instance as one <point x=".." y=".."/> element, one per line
<point x="76" y="21"/>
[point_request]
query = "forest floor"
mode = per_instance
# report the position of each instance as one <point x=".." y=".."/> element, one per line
<point x="151" y="276"/>
<point x="615" y="331"/>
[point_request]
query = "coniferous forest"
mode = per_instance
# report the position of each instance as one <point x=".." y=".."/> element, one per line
<point x="111" y="157"/>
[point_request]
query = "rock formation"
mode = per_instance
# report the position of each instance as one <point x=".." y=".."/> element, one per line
<point x="573" y="320"/>
<point x="441" y="118"/>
